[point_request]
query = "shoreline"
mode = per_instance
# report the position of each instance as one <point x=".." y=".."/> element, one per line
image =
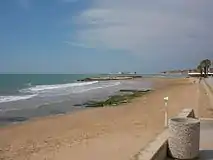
<point x="15" y="117"/>
<point x="21" y="111"/>
<point x="75" y="110"/>
<point x="23" y="120"/>
<point x="99" y="133"/>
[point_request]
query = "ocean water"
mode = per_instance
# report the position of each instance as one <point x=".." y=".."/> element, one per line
<point x="12" y="83"/>
<point x="23" y="96"/>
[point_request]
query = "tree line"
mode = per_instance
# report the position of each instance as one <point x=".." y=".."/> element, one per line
<point x="204" y="67"/>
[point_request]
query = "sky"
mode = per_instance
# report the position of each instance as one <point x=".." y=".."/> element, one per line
<point x="102" y="36"/>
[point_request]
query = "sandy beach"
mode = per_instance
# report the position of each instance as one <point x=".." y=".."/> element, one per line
<point x="115" y="133"/>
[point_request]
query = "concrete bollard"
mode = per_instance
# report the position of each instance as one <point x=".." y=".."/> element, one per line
<point x="184" y="138"/>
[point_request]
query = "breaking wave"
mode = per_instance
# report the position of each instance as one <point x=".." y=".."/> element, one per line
<point x="4" y="99"/>
<point x="56" y="90"/>
<point x="44" y="88"/>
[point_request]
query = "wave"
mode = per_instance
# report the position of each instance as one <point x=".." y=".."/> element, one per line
<point x="41" y="88"/>
<point x="99" y="87"/>
<point x="4" y="99"/>
<point x="56" y="90"/>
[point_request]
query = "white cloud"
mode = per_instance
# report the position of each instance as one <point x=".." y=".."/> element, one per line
<point x="147" y="27"/>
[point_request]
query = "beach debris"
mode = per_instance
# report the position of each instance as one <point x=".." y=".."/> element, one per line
<point x="134" y="90"/>
<point x="166" y="99"/>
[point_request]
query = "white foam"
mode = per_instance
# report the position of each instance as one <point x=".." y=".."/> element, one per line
<point x="55" y="90"/>
<point x="4" y="99"/>
<point x="40" y="88"/>
<point x="99" y="87"/>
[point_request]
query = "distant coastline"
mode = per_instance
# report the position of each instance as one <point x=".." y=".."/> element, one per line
<point x="108" y="78"/>
<point x="184" y="71"/>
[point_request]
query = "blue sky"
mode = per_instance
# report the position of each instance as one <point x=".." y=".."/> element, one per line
<point x="99" y="36"/>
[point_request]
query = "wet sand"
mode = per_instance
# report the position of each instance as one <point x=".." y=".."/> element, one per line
<point x="115" y="133"/>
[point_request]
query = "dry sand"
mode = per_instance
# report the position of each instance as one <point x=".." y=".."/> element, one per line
<point x="115" y="133"/>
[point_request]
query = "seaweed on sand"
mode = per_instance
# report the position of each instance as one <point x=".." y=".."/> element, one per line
<point x="116" y="99"/>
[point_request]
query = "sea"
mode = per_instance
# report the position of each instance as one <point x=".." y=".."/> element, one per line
<point x="26" y="96"/>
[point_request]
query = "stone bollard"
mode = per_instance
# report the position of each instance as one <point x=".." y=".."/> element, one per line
<point x="184" y="138"/>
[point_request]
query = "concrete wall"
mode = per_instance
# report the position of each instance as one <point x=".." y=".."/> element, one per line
<point x="157" y="149"/>
<point x="210" y="81"/>
<point x="207" y="83"/>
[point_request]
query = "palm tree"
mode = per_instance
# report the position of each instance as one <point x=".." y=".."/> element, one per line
<point x="205" y="65"/>
<point x="200" y="69"/>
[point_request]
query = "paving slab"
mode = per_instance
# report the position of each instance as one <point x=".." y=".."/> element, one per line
<point x="206" y="139"/>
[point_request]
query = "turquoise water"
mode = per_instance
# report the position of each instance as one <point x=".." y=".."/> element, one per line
<point x="22" y="87"/>
<point x="12" y="83"/>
